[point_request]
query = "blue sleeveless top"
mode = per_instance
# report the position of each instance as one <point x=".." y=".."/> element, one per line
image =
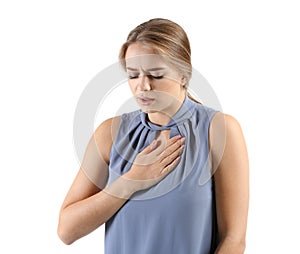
<point x="177" y="215"/>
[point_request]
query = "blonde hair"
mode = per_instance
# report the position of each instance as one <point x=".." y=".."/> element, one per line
<point x="166" y="38"/>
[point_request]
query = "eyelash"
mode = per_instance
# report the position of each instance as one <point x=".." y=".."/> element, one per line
<point x="157" y="77"/>
<point x="151" y="76"/>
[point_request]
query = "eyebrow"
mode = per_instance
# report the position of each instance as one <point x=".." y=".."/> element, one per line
<point x="151" y="69"/>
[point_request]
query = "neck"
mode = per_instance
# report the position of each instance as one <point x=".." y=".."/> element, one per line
<point x="162" y="118"/>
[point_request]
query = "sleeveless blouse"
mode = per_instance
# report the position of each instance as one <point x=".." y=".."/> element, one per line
<point x="177" y="215"/>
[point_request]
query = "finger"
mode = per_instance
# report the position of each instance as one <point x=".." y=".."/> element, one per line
<point x="154" y="151"/>
<point x="164" y="144"/>
<point x="150" y="148"/>
<point x="172" y="156"/>
<point x="171" y="166"/>
<point x="174" y="139"/>
<point x="173" y="147"/>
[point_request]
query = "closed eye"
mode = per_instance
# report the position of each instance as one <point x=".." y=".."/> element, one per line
<point x="157" y="77"/>
<point x="132" y="77"/>
<point x="151" y="76"/>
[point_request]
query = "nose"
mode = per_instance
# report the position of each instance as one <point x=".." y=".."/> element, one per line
<point x="144" y="83"/>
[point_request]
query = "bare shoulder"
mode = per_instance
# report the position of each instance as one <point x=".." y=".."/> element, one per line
<point x="232" y="123"/>
<point x="233" y="129"/>
<point x="224" y="124"/>
<point x="107" y="126"/>
<point x="105" y="134"/>
<point x="225" y="134"/>
<point x="221" y="119"/>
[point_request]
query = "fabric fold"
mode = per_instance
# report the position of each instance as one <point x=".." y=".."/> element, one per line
<point x="138" y="132"/>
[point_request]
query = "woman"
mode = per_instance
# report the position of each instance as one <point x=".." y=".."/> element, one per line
<point x="169" y="178"/>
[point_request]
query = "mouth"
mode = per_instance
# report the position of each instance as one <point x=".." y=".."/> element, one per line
<point x="145" y="101"/>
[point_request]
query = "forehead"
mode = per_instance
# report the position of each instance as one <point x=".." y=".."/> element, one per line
<point x="139" y="56"/>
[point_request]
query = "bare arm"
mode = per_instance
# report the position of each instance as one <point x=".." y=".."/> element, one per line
<point x="88" y="204"/>
<point x="231" y="183"/>
<point x="85" y="199"/>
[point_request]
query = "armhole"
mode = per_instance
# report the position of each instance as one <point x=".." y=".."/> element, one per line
<point x="216" y="139"/>
<point x="214" y="120"/>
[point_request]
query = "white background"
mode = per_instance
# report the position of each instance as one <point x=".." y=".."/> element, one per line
<point x="247" y="50"/>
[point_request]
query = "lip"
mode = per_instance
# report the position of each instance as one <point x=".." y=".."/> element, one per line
<point x="145" y="101"/>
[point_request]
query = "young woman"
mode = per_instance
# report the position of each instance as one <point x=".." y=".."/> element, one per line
<point x="171" y="177"/>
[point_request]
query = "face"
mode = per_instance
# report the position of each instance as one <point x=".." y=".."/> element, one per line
<point x="155" y="85"/>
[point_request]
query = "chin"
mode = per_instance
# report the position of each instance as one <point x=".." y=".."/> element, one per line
<point x="148" y="110"/>
<point x="156" y="107"/>
<point x="151" y="110"/>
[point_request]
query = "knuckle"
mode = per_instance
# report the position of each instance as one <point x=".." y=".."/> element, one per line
<point x="179" y="142"/>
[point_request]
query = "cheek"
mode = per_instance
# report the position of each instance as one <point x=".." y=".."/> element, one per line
<point x="132" y="86"/>
<point x="169" y="87"/>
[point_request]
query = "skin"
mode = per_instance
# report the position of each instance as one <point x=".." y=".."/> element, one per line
<point x="88" y="204"/>
<point x="230" y="161"/>
<point x="165" y="84"/>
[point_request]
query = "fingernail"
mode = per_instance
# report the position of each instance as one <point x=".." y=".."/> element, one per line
<point x="181" y="149"/>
